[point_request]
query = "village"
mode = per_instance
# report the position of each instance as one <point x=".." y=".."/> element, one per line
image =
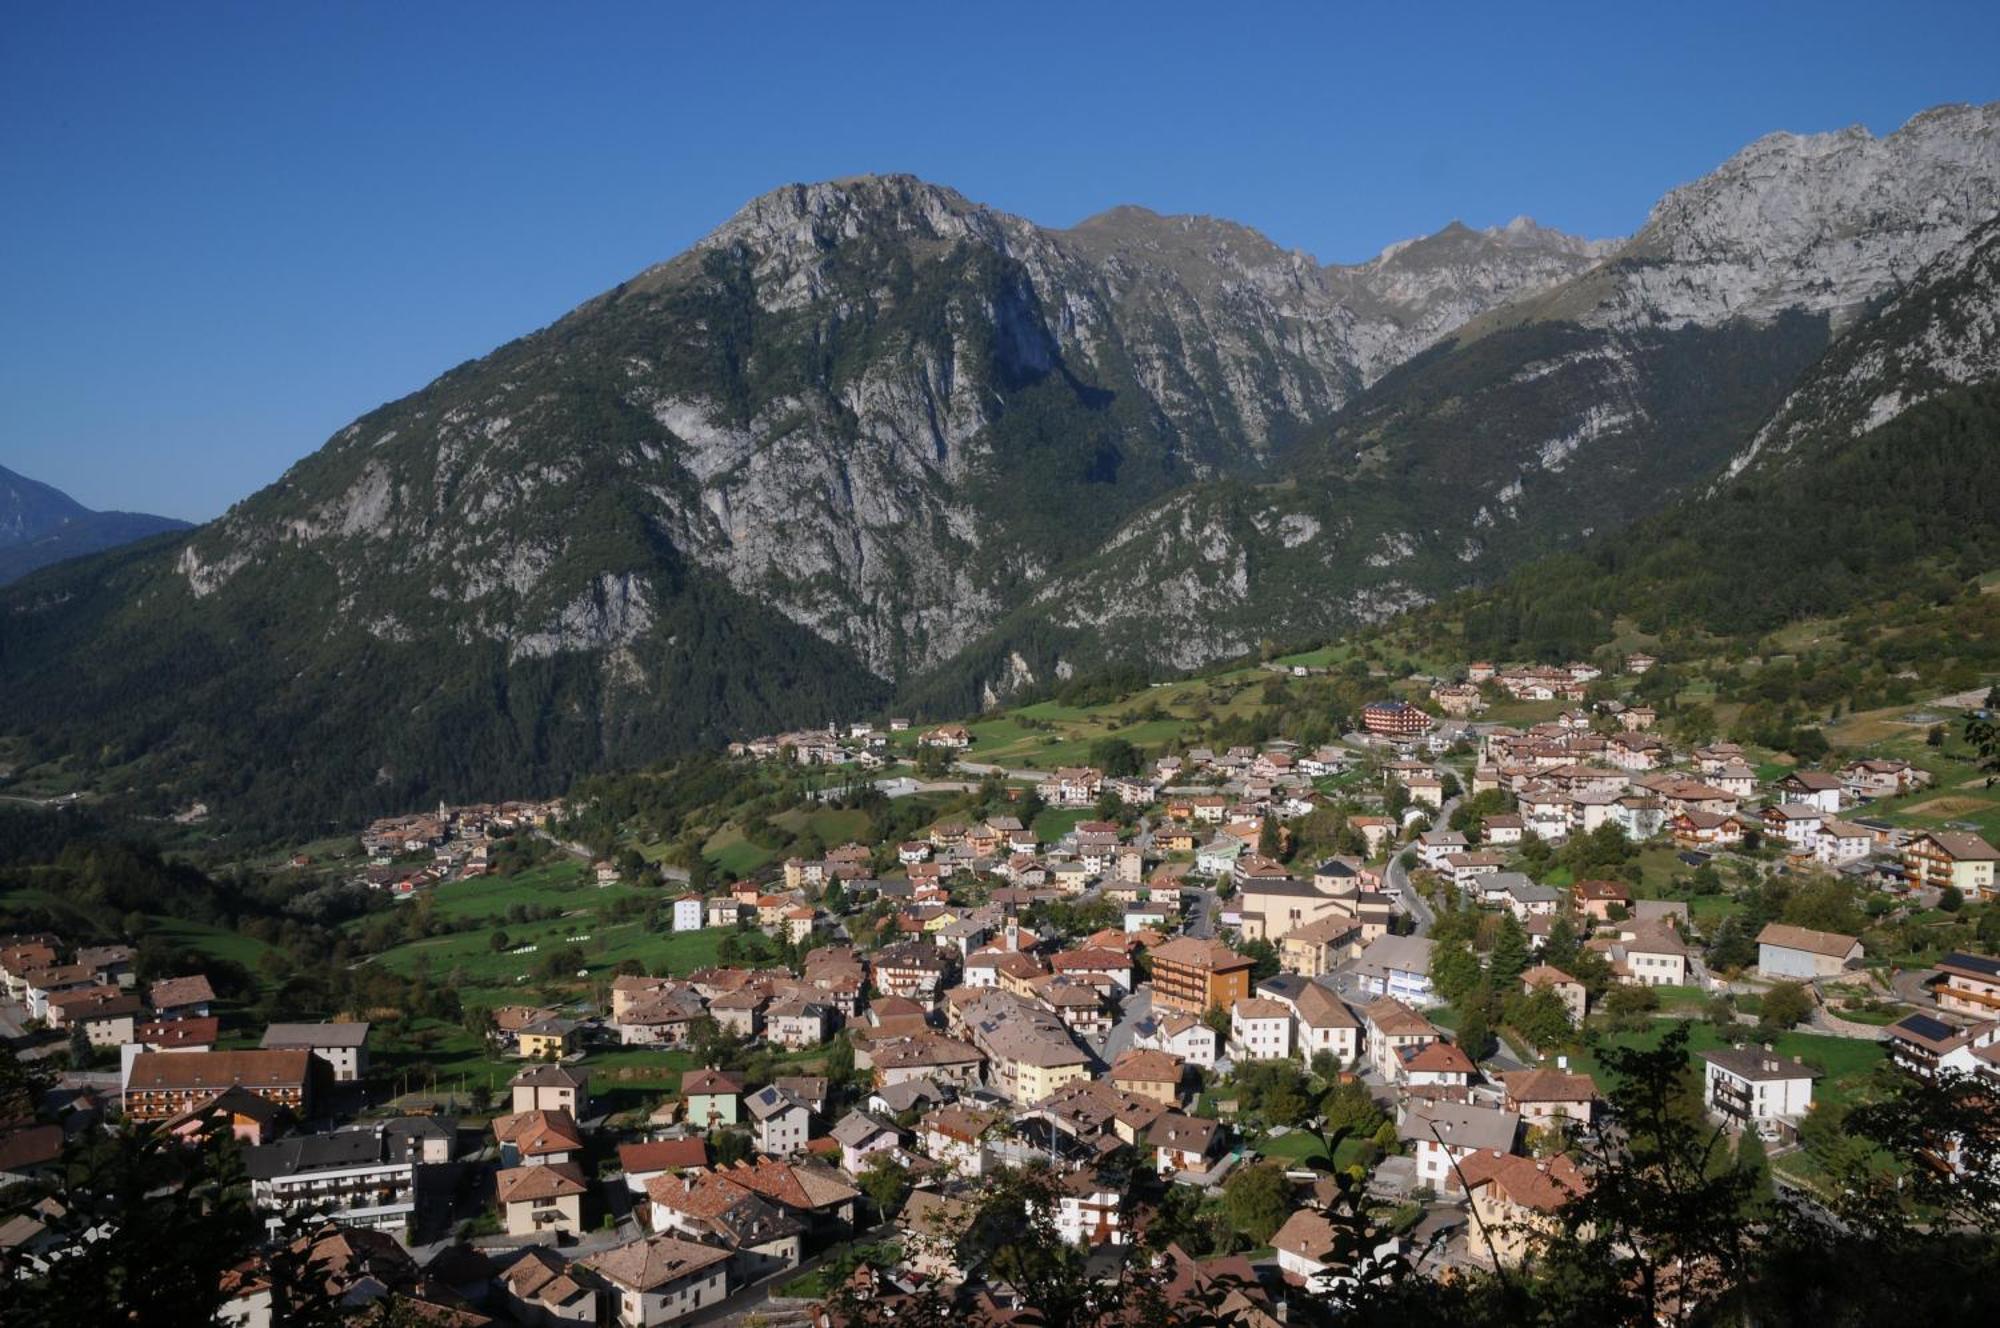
<point x="1131" y="983"/>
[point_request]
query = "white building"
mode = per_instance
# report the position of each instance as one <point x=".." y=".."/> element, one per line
<point x="1750" y="1086"/>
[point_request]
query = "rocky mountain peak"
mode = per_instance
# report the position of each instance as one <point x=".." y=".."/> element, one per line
<point x="1819" y="222"/>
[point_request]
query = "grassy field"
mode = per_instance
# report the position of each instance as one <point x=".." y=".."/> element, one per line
<point x="1848" y="1062"/>
<point x="490" y="976"/>
<point x="730" y="852"/>
<point x="1298" y="1145"/>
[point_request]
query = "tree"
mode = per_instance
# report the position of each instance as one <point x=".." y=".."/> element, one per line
<point x="1267" y="837"/>
<point x="1475" y="1035"/>
<point x="1510" y="953"/>
<point x="1786" y="1005"/>
<point x="884" y="1180"/>
<point x="1658" y="1235"/>
<point x="1541" y="1017"/>
<point x="1755" y="1163"/>
<point x="1257" y="1200"/>
<point x="839" y="1064"/>
<point x="1114" y="756"/>
<point x="1455" y="968"/>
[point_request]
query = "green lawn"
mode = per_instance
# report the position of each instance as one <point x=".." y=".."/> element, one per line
<point x="1056" y="822"/>
<point x="469" y="959"/>
<point x="1298" y="1145"/>
<point x="730" y="852"/>
<point x="1846" y="1061"/>
<point x="215" y="941"/>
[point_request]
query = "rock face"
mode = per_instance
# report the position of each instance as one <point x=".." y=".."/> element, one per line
<point x="1822" y="223"/>
<point x="870" y="435"/>
<point x="40" y="525"/>
<point x="1941" y="332"/>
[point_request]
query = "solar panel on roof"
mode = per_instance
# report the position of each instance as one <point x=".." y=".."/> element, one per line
<point x="1976" y="963"/>
<point x="1926" y="1027"/>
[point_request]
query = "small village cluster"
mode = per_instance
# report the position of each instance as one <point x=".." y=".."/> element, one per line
<point x="982" y="1039"/>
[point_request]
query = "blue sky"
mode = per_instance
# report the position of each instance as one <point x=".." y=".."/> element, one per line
<point x="226" y="231"/>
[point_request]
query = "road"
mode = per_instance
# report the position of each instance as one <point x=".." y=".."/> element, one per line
<point x="1397" y="879"/>
<point x="1119" y="1040"/>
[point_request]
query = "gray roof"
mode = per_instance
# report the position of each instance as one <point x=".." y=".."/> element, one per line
<point x="771" y="1101"/>
<point x="857" y="1128"/>
<point x="392" y="1141"/>
<point x="1461" y="1125"/>
<point x="1759" y="1066"/>
<point x="283" y="1036"/>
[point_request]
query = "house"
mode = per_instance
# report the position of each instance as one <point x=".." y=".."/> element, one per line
<point x="781" y="1123"/>
<point x="1447" y="1133"/>
<point x="1839" y="842"/>
<point x="713" y="1208"/>
<point x="108" y="1016"/>
<point x="344" y="1047"/>
<point x="1260" y="1029"/>
<point x="1192" y="975"/>
<point x="641" y="1162"/>
<point x="1181" y="1035"/>
<point x="953" y="737"/>
<point x="1645" y="955"/>
<point x="1318" y="946"/>
<point x="1543" y="1097"/>
<point x="1029" y="1051"/>
<point x="1922" y="1045"/>
<point x="1567" y="989"/>
<point x="860" y="1135"/>
<point x="1957" y="859"/>
<point x="688" y="913"/>
<point x="1149" y="1073"/>
<point x="237" y="1112"/>
<point x="1090" y="1210"/>
<point x="1516" y="1201"/>
<point x="181" y="998"/>
<point x="1308" y="1250"/>
<point x="915" y="970"/>
<point x="1393" y="1027"/>
<point x="1822" y="792"/>
<point x="1325" y="1023"/>
<point x="1526" y="899"/>
<point x="713" y="1097"/>
<point x="1967" y="984"/>
<point x="1707" y="830"/>
<point x="549" y="1039"/>
<point x="1880" y="778"/>
<point x="1796" y="824"/>
<point x="1596" y="899"/>
<point x="536" y="1200"/>
<point x="178" y="1034"/>
<point x="551" y="1088"/>
<point x="661" y="1279"/>
<point x="538" y="1138"/>
<point x="1398" y="967"/>
<point x="1184" y="1145"/>
<point x="1377" y="832"/>
<point x="542" y="1287"/>
<point x="1754" y="1087"/>
<point x="955" y="1138"/>
<point x="798" y="1023"/>
<point x="161" y="1085"/>
<point x="1785" y="951"/>
<point x="1437" y="1064"/>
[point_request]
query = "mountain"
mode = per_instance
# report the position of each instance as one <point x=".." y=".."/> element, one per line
<point x="1873" y="480"/>
<point x="872" y="440"/>
<point x="1534" y="425"/>
<point x="40" y="525"/>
